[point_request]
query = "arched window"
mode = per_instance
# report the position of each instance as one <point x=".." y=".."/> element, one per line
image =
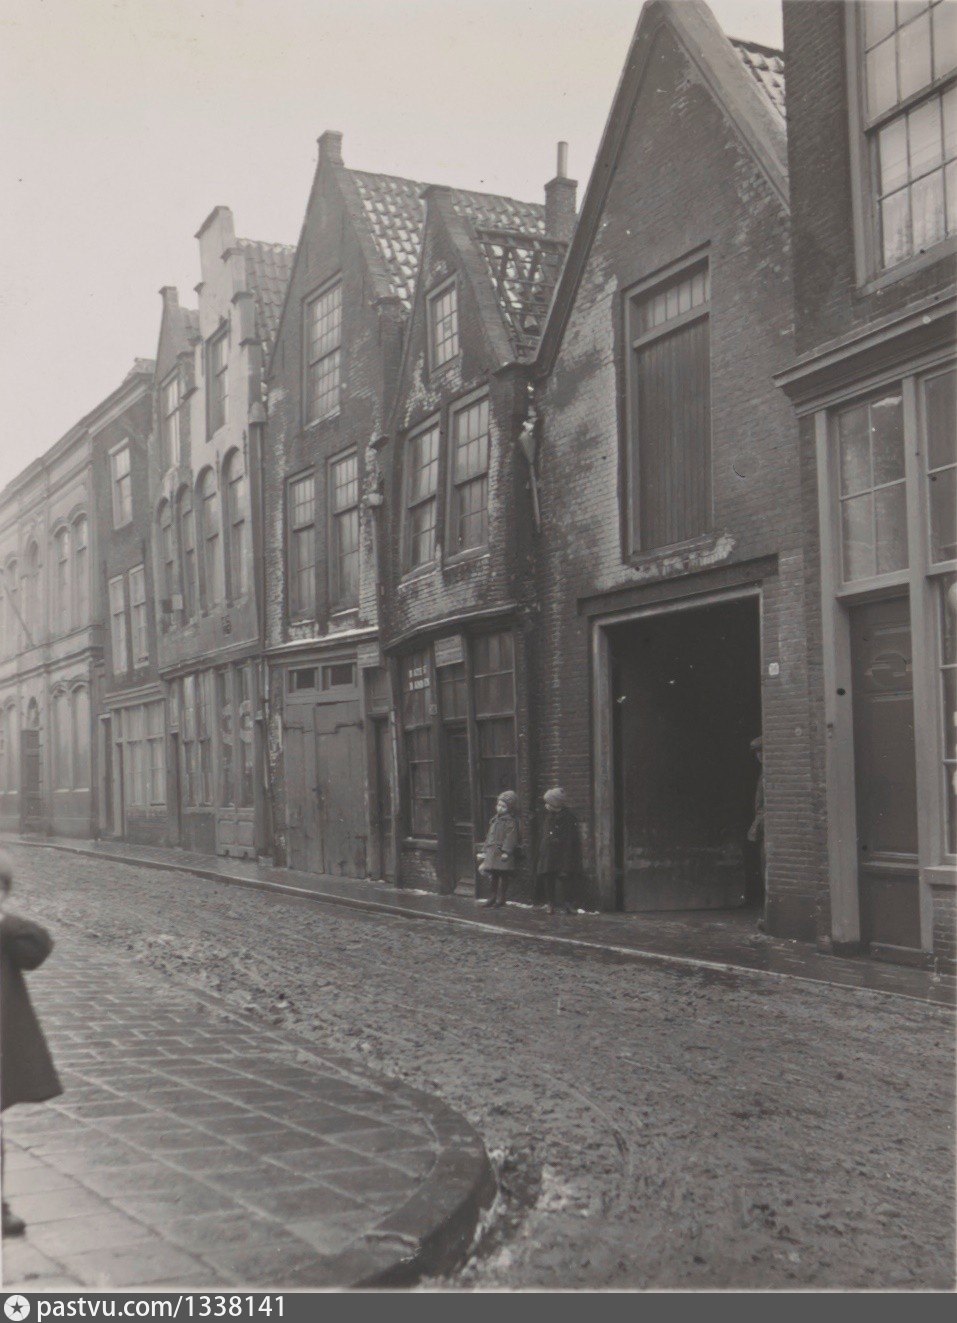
<point x="6" y="621"/>
<point x="32" y="612"/>
<point x="11" y="750"/>
<point x="167" y="552"/>
<point x="81" y="572"/>
<point x="12" y="640"/>
<point x="234" y="481"/>
<point x="212" y="578"/>
<point x="62" y="606"/>
<point x="187" y="550"/>
<point x="81" y="737"/>
<point x="62" y="757"/>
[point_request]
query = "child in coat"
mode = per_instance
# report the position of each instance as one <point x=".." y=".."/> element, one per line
<point x="559" y="850"/>
<point x="27" y="1074"/>
<point x="497" y="857"/>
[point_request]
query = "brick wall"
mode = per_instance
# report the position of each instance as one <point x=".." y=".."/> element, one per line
<point x="683" y="181"/>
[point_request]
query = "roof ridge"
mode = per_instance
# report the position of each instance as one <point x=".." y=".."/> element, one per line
<point x="268" y="243"/>
<point x="758" y="46"/>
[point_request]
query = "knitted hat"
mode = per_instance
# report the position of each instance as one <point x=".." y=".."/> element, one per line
<point x="757" y="744"/>
<point x="555" y="798"/>
<point x="510" y="798"/>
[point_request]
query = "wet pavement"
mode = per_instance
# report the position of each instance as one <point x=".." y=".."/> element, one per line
<point x="721" y="940"/>
<point x="194" y="1148"/>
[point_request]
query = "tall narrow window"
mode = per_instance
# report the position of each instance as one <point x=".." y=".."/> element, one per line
<point x="217" y="381"/>
<point x="344" y="531"/>
<point x="493" y="671"/>
<point x="870" y="443"/>
<point x="62" y="760"/>
<point x="224" y="707"/>
<point x="422" y="482"/>
<point x="32" y="601"/>
<point x="118" y="625"/>
<point x="122" y="487"/>
<point x="204" y="683"/>
<point x="323" y="339"/>
<point x="156" y="759"/>
<point x="190" y="743"/>
<point x="81" y="572"/>
<point x="62" y="605"/>
<point x="469" y="510"/>
<point x="169" y="407"/>
<point x="14" y="643"/>
<point x="443" y="326"/>
<point x="417" y="735"/>
<point x="234" y="478"/>
<point x="212" y="578"/>
<point x="669" y="442"/>
<point x="910" y="122"/>
<point x="301" y="495"/>
<point x="187" y="550"/>
<point x="167" y="554"/>
<point x="81" y="737"/>
<point x="939" y="416"/>
<point x="139" y="627"/>
<point x="244" y="680"/>
<point x="947" y="591"/>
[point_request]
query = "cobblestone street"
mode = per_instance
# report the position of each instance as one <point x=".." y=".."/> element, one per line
<point x="651" y="1127"/>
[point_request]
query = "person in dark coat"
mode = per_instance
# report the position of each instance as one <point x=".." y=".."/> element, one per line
<point x="559" y="850"/>
<point x="497" y="857"/>
<point x="27" y="1073"/>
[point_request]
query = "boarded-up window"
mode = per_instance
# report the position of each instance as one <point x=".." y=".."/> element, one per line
<point x="669" y="460"/>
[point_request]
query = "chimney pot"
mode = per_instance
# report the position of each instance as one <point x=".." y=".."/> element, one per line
<point x="562" y="170"/>
<point x="561" y="200"/>
<point x="330" y="147"/>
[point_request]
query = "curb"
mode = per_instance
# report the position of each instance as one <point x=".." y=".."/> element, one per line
<point x="576" y="944"/>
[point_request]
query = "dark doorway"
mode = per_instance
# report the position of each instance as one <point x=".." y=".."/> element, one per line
<point x="885" y="773"/>
<point x="460" y="807"/>
<point x="686" y="690"/>
<point x="382" y="736"/>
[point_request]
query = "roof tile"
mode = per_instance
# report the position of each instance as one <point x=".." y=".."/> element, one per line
<point x="767" y="66"/>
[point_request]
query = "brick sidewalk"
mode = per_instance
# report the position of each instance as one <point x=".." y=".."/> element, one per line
<point x="721" y="940"/>
<point x="192" y="1148"/>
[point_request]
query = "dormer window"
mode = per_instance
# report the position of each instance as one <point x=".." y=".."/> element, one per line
<point x="443" y="325"/>
<point x="323" y="343"/>
<point x="217" y="380"/>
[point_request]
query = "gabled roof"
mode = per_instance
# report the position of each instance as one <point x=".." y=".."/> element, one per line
<point x="268" y="268"/>
<point x="746" y="81"/>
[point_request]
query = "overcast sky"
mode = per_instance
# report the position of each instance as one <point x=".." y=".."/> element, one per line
<point x="124" y="122"/>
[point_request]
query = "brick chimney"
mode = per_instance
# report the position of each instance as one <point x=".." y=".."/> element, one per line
<point x="330" y="147"/>
<point x="560" y="199"/>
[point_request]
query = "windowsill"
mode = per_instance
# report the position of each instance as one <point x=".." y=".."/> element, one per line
<point x="326" y="418"/>
<point x="940" y="251"/>
<point x="419" y="843"/>
<point x="463" y="557"/>
<point x="419" y="572"/>
<point x="639" y="559"/>
<point x="941" y="875"/>
<point x="341" y="612"/>
<point x="876" y="583"/>
<point x="438" y="373"/>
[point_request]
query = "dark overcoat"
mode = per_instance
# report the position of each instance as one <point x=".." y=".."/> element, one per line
<point x="27" y="1073"/>
<point x="559" y="843"/>
<point x="500" y="845"/>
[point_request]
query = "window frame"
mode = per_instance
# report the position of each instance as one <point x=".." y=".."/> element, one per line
<point x="139" y="619"/>
<point x="234" y="476"/>
<point x="299" y="611"/>
<point x="211" y="579"/>
<point x="338" y="600"/>
<point x="871" y="275"/>
<point x="328" y="287"/>
<point x="633" y="340"/>
<point x="452" y="552"/>
<point x="434" y="423"/>
<point x="121" y="497"/>
<point x="217" y="381"/>
<point x="121" y="633"/>
<point x="62" y="576"/>
<point x="170" y="420"/>
<point x="80" y="570"/>
<point x="433" y="298"/>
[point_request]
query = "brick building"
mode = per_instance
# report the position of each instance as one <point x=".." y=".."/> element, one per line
<point x="205" y="529"/>
<point x="456" y="545"/>
<point x="54" y="549"/>
<point x="671" y="560"/>
<point x="872" y="110"/>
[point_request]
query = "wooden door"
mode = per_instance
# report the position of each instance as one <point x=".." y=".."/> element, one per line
<point x="885" y="772"/>
<point x="302" y="824"/>
<point x="462" y="830"/>
<point x="385" y="813"/>
<point x="31" y="802"/>
<point x="340" y="789"/>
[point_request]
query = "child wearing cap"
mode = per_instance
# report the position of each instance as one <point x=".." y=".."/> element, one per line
<point x="559" y="850"/>
<point x="497" y="856"/>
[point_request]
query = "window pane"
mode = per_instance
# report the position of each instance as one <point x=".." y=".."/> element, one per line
<point x="927" y="210"/>
<point x="940" y="419"/>
<point x="881" y="76"/>
<point x="943" y="514"/>
<point x="888" y="439"/>
<point x="925" y="137"/>
<point x="857" y="537"/>
<point x="945" y="38"/>
<point x="914" y="55"/>
<point x="895" y="227"/>
<point x="891" y="514"/>
<point x="879" y="20"/>
<point x="892" y="146"/>
<point x="950" y="176"/>
<point x="855" y="451"/>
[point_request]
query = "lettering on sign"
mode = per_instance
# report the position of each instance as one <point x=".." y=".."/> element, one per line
<point x="449" y="652"/>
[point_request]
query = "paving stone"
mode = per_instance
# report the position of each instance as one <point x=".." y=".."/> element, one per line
<point x="78" y="1235"/>
<point x="57" y="1205"/>
<point x="139" y="1266"/>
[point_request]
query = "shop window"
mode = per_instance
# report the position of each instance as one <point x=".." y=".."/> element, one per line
<point x="873" y="511"/>
<point x="244" y="694"/>
<point x="418" y="743"/>
<point x="947" y="598"/>
<point x="493" y="671"/>
<point x="224" y="704"/>
<point x="453" y="692"/>
<point x="939" y="397"/>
